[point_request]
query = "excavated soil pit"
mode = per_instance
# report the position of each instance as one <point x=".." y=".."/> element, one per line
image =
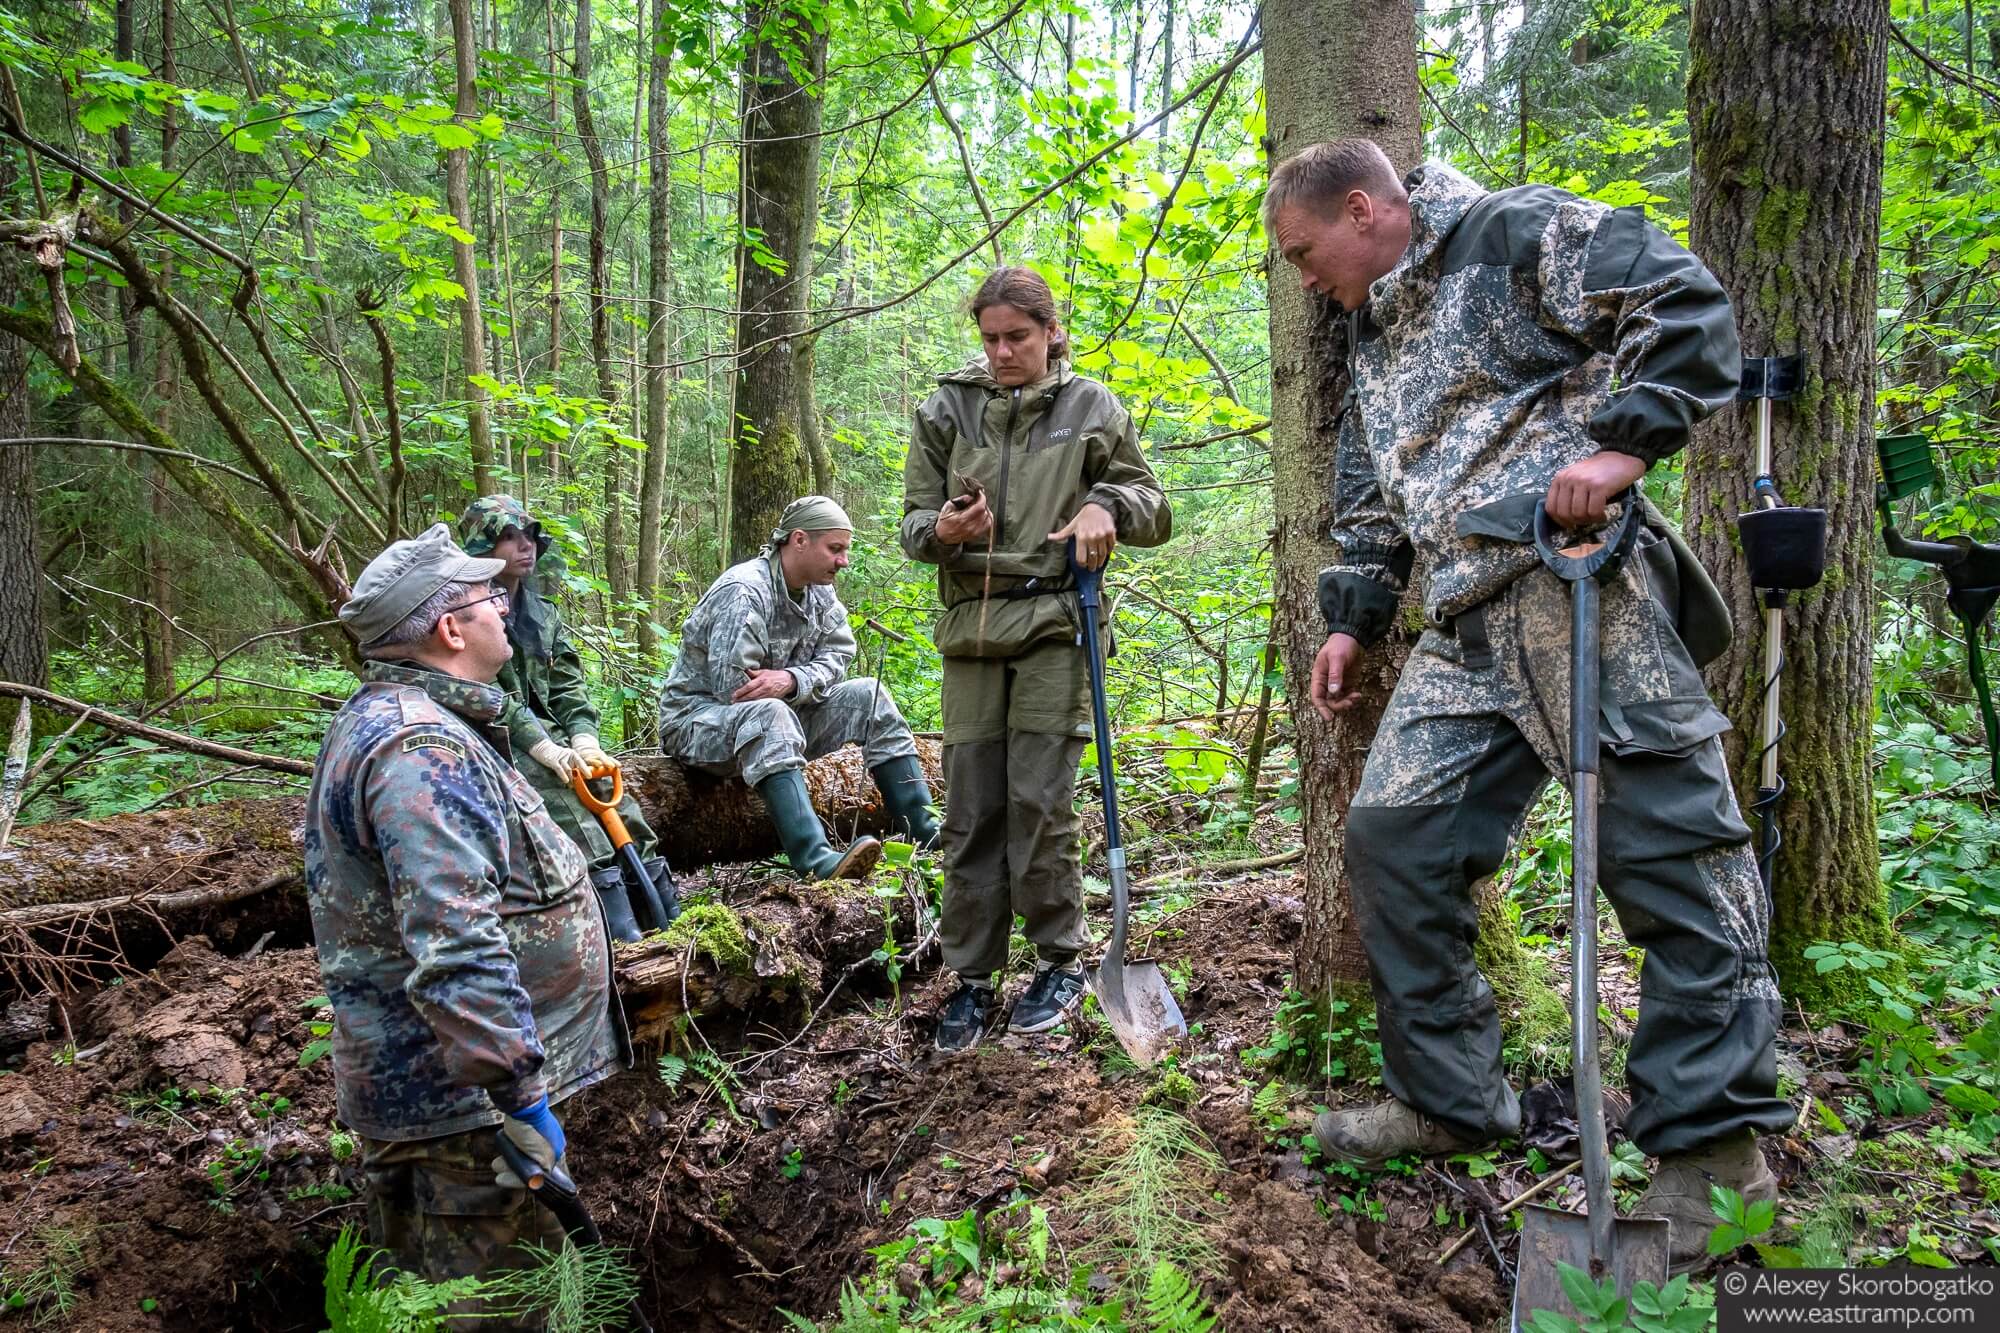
<point x="193" y="1209"/>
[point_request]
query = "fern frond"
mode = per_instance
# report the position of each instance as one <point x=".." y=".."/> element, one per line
<point x="1174" y="1304"/>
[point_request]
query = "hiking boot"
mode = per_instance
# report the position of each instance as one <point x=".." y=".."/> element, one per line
<point x="966" y="1015"/>
<point x="799" y="828"/>
<point x="1680" y="1192"/>
<point x="619" y="923"/>
<point x="908" y="798"/>
<point x="1050" y="999"/>
<point x="1371" y="1135"/>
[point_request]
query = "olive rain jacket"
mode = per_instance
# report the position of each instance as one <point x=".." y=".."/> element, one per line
<point x="1042" y="451"/>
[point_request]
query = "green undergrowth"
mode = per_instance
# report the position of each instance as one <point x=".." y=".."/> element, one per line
<point x="571" y="1290"/>
<point x="1137" y="1242"/>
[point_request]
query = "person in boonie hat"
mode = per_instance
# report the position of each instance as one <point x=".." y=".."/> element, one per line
<point x="468" y="967"/>
<point x="555" y="723"/>
<point x="760" y="686"/>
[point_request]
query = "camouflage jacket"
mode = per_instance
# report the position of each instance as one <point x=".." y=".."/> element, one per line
<point x="1041" y="451"/>
<point x="748" y="621"/>
<point x="465" y="957"/>
<point x="1520" y="332"/>
<point x="545" y="676"/>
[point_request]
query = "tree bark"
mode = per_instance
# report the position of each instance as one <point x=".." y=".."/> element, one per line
<point x="218" y="848"/>
<point x="1332" y="68"/>
<point x="458" y="196"/>
<point x="23" y="644"/>
<point x="778" y="203"/>
<point x="659" y="291"/>
<point x="156" y="631"/>
<point x="1788" y="221"/>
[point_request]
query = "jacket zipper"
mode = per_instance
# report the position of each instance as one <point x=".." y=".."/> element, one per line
<point x="1006" y="440"/>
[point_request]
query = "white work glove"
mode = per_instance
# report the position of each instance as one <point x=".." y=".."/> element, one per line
<point x="564" y="762"/>
<point x="590" y="752"/>
<point x="537" y="1133"/>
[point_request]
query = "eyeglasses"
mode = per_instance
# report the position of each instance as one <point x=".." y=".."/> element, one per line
<point x="500" y="597"/>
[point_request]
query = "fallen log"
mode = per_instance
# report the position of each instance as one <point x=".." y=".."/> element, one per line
<point x="210" y="853"/>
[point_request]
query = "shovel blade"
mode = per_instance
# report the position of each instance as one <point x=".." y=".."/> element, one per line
<point x="1136" y="1001"/>
<point x="1550" y="1236"/>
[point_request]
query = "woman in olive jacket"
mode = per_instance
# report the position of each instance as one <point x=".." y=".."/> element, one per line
<point x="1015" y="455"/>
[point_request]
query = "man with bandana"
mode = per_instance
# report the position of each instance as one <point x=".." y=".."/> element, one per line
<point x="761" y="686"/>
<point x="551" y="719"/>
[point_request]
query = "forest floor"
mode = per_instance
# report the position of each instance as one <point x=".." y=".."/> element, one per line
<point x="169" y="1157"/>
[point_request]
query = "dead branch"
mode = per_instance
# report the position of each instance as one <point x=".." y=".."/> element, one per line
<point x="47" y="241"/>
<point x="64" y="440"/>
<point x="370" y="304"/>
<point x="158" y="735"/>
<point x="15" y="775"/>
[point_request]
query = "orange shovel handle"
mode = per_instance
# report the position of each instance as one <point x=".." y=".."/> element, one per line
<point x="605" y="810"/>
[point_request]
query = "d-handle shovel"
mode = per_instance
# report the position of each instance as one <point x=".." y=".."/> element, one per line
<point x="1629" y="1249"/>
<point x="652" y="906"/>
<point x="1132" y="994"/>
<point x="555" y="1191"/>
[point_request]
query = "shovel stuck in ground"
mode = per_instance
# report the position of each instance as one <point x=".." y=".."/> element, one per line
<point x="1132" y="994"/>
<point x="1628" y="1249"/>
<point x="643" y="904"/>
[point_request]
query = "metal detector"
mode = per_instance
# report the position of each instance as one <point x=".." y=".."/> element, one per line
<point x="1971" y="569"/>
<point x="1785" y="547"/>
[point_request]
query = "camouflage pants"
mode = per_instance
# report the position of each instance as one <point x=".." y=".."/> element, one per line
<point x="584" y="828"/>
<point x="1014" y="730"/>
<point x="756" y="739"/>
<point x="434" y="1206"/>
<point x="1478" y="722"/>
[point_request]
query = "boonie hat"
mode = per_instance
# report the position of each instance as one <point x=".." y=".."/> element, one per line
<point x="404" y="576"/>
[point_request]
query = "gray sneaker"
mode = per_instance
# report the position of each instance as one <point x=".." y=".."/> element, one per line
<point x="1679" y="1192"/>
<point x="1371" y="1135"/>
<point x="1050" y="999"/>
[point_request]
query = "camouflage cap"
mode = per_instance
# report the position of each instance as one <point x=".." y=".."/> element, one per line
<point x="404" y="576"/>
<point x="485" y="519"/>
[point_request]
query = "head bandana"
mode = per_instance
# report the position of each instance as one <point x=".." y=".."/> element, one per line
<point x="809" y="513"/>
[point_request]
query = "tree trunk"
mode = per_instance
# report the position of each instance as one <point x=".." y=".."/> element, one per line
<point x="218" y="851"/>
<point x="23" y="645"/>
<point x="1788" y="221"/>
<point x="659" y="290"/>
<point x="156" y="632"/>
<point x="458" y="194"/>
<point x="778" y="202"/>
<point x="1332" y="68"/>
<point x="555" y="246"/>
<point x="600" y="301"/>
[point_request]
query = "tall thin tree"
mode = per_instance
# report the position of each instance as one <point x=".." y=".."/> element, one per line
<point x="1785" y="111"/>
<point x="458" y="196"/>
<point x="1332" y="68"/>
<point x="778" y="203"/>
<point x="659" y="291"/>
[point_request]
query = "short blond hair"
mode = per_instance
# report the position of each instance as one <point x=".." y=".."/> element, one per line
<point x="1321" y="175"/>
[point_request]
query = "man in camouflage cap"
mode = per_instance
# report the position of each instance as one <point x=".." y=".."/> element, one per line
<point x="760" y="687"/>
<point x="1506" y="348"/>
<point x="465" y="958"/>
<point x="555" y="723"/>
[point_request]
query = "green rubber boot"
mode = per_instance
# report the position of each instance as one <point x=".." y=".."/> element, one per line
<point x="784" y="794"/>
<point x="908" y="798"/>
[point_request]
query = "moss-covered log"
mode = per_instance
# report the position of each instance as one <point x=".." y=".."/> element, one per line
<point x="217" y="849"/>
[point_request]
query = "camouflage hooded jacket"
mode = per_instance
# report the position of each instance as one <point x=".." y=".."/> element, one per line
<point x="748" y="621"/>
<point x="1520" y="332"/>
<point x="545" y="675"/>
<point x="1041" y="451"/>
<point x="465" y="958"/>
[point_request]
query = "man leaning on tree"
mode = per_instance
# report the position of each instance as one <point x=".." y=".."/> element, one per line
<point x="1505" y="348"/>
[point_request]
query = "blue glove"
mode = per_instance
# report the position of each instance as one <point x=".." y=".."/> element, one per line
<point x="536" y="1133"/>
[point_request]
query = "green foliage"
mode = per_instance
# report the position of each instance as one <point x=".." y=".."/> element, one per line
<point x="571" y="1290"/>
<point x="41" y="1278"/>
<point x="1652" y="1309"/>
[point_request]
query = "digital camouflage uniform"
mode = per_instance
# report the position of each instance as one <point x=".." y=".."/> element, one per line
<point x="467" y="966"/>
<point x="545" y="679"/>
<point x="748" y="620"/>
<point x="1016" y="690"/>
<point x="1521" y="332"/>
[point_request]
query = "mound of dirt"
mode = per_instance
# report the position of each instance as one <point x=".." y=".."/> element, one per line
<point x="737" y="1194"/>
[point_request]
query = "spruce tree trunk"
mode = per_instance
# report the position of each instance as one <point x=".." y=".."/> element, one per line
<point x="23" y="646"/>
<point x="1785" y="106"/>
<point x="778" y="202"/>
<point x="1332" y="68"/>
<point x="659" y="291"/>
<point x="458" y="195"/>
